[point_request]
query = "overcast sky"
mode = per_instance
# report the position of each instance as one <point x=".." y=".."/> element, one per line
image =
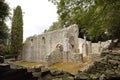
<point x="38" y="15"/>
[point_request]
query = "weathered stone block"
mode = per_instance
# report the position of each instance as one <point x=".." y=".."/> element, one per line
<point x="1" y="59"/>
<point x="55" y="57"/>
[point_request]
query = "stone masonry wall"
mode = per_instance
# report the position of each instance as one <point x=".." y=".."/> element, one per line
<point x="55" y="57"/>
<point x="41" y="48"/>
<point x="92" y="50"/>
<point x="37" y="48"/>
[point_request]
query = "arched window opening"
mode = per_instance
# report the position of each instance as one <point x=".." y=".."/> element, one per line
<point x="31" y="41"/>
<point x="59" y="46"/>
<point x="72" y="46"/>
<point x="43" y="40"/>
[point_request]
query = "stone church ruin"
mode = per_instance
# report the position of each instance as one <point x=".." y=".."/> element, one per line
<point x="61" y="45"/>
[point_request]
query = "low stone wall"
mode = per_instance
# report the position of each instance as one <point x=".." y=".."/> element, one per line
<point x="7" y="73"/>
<point x="78" y="57"/>
<point x="94" y="57"/>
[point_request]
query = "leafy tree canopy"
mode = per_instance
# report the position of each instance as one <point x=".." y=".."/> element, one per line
<point x="4" y="10"/>
<point x="4" y="13"/>
<point x="95" y="18"/>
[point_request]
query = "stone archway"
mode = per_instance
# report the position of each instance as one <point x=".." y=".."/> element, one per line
<point x="59" y="46"/>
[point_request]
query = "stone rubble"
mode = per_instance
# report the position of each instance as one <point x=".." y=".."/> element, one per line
<point x="107" y="68"/>
<point x="6" y="73"/>
<point x="44" y="73"/>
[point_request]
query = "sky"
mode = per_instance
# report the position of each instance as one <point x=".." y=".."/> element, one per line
<point x="38" y="15"/>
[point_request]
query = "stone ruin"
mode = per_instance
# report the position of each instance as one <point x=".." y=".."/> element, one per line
<point x="61" y="45"/>
<point x="8" y="73"/>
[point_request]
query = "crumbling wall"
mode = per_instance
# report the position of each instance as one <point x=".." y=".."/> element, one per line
<point x="92" y="50"/>
<point x="37" y="48"/>
<point x="55" y="57"/>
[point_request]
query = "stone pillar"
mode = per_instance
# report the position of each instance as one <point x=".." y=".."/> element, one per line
<point x="85" y="48"/>
<point x="37" y="49"/>
<point x="66" y="49"/>
<point x="89" y="47"/>
<point x="100" y="47"/>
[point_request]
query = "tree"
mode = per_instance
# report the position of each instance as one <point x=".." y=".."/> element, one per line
<point x="4" y="31"/>
<point x="17" y="32"/>
<point x="4" y="10"/>
<point x="55" y="26"/>
<point x="93" y="17"/>
<point x="74" y="12"/>
<point x="4" y="13"/>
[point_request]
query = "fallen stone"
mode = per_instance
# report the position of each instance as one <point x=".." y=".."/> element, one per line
<point x="94" y="76"/>
<point x="44" y="71"/>
<point x="57" y="79"/>
<point x="70" y="78"/>
<point x="1" y="59"/>
<point x="102" y="77"/>
<point x="37" y="74"/>
<point x="82" y="76"/>
<point x="55" y="72"/>
<point x="114" y="62"/>
<point x="37" y="69"/>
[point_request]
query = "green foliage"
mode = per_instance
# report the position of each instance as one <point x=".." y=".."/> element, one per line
<point x="8" y="50"/>
<point x="45" y="31"/>
<point x="3" y="33"/>
<point x="17" y="32"/>
<point x="4" y="13"/>
<point x="2" y="49"/>
<point x="4" y="10"/>
<point x="93" y="17"/>
<point x="55" y="26"/>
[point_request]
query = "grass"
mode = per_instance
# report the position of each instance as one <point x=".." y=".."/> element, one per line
<point x="85" y="59"/>
<point x="71" y="67"/>
<point x="29" y="64"/>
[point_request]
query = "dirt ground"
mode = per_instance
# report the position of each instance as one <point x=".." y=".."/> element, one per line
<point x="71" y="67"/>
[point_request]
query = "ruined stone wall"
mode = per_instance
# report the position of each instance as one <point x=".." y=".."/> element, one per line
<point x="92" y="50"/>
<point x="40" y="48"/>
<point x="37" y="48"/>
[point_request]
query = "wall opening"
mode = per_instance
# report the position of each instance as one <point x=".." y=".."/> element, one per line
<point x="72" y="46"/>
<point x="60" y="47"/>
<point x="72" y="41"/>
<point x="43" y="40"/>
<point x="31" y="42"/>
